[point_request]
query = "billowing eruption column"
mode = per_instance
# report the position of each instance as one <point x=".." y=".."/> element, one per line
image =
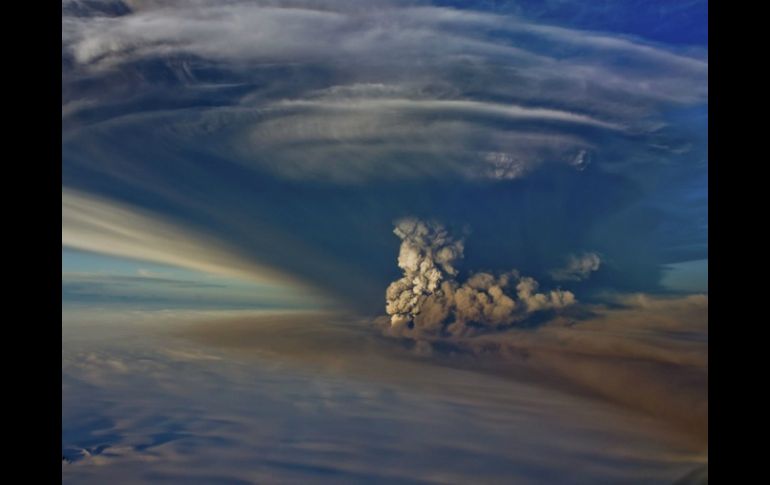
<point x="429" y="301"/>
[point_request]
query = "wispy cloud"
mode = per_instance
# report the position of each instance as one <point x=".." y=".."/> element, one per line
<point x="469" y="75"/>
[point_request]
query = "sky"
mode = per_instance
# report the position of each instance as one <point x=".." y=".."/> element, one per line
<point x="529" y="177"/>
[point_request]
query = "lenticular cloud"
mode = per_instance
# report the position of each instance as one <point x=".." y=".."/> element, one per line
<point x="430" y="301"/>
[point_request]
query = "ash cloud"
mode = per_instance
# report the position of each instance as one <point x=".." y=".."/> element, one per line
<point x="429" y="300"/>
<point x="578" y="267"/>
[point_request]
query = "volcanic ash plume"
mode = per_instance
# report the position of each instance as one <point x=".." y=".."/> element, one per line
<point x="578" y="267"/>
<point x="429" y="300"/>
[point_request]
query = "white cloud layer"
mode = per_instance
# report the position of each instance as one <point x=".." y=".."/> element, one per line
<point x="172" y="398"/>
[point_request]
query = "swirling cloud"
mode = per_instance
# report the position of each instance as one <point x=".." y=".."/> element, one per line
<point x="395" y="90"/>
